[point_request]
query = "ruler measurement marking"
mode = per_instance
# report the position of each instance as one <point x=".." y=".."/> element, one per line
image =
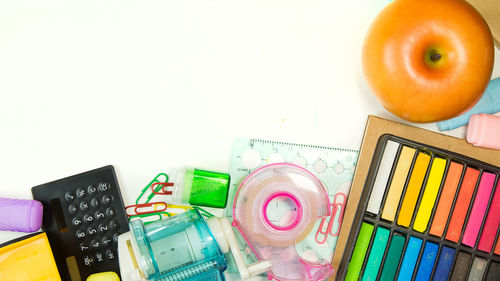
<point x="252" y="142"/>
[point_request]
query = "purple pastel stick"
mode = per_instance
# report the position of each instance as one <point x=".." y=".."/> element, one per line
<point x="20" y="215"/>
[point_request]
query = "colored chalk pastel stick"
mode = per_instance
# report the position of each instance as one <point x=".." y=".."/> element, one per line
<point x="427" y="262"/>
<point x="462" y="204"/>
<point x="383" y="173"/>
<point x="461" y="267"/>
<point x="376" y="254"/>
<point x="445" y="262"/>
<point x="398" y="183"/>
<point x="493" y="271"/>
<point x="410" y="259"/>
<point x="491" y="224"/>
<point x="413" y="190"/>
<point x="478" y="209"/>
<point x="430" y="193"/>
<point x="477" y="270"/>
<point x="446" y="199"/>
<point x="393" y="256"/>
<point x="359" y="253"/>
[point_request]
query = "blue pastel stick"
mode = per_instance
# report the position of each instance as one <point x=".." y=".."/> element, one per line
<point x="410" y="259"/>
<point x="489" y="103"/>
<point x="444" y="264"/>
<point x="427" y="262"/>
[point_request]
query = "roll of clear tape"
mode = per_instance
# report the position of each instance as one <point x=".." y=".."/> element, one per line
<point x="287" y="180"/>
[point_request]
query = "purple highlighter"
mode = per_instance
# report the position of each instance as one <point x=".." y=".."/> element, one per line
<point x="20" y="215"/>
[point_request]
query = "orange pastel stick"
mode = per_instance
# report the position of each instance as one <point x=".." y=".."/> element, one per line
<point x="446" y="199"/>
<point x="413" y="189"/>
<point x="462" y="204"/>
<point x="497" y="247"/>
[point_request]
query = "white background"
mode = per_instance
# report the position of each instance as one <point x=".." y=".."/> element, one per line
<point x="150" y="85"/>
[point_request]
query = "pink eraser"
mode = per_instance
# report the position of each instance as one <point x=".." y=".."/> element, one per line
<point x="484" y="131"/>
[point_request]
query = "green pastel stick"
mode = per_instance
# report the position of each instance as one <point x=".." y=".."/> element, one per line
<point x="393" y="257"/>
<point x="376" y="254"/>
<point x="358" y="256"/>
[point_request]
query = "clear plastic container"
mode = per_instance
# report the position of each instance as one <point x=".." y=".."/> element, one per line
<point x="182" y="247"/>
<point x="177" y="248"/>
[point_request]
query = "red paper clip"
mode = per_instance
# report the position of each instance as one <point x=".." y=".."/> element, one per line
<point x="163" y="190"/>
<point x="150" y="208"/>
<point x="336" y="205"/>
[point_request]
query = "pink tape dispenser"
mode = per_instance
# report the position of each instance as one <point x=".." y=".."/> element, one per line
<point x="274" y="238"/>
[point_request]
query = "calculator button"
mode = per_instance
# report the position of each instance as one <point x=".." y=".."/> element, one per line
<point x="88" y="260"/>
<point x="84" y="205"/>
<point x="103" y="186"/>
<point x="99" y="215"/>
<point x="106" y="241"/>
<point x="91" y="230"/>
<point x="69" y="196"/>
<point x="95" y="203"/>
<point x="114" y="225"/>
<point x="99" y="257"/>
<point x="106" y="199"/>
<point x="76" y="221"/>
<point x="80" y="192"/>
<point x="95" y="243"/>
<point x="88" y="218"/>
<point x="110" y="254"/>
<point x="102" y="227"/>
<point x="72" y="208"/>
<point x="115" y="237"/>
<point x="80" y="234"/>
<point x="110" y="212"/>
<point x="84" y="247"/>
<point x="91" y="189"/>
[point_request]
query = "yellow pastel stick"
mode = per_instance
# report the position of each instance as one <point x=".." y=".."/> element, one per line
<point x="413" y="190"/>
<point x="397" y="183"/>
<point x="430" y="194"/>
<point x="104" y="276"/>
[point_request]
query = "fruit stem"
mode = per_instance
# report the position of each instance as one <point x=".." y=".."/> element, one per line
<point x="435" y="57"/>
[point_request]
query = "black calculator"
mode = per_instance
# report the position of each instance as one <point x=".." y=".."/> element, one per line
<point x="83" y="215"/>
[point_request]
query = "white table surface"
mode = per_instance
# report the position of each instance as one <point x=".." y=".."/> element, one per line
<point x="151" y="85"/>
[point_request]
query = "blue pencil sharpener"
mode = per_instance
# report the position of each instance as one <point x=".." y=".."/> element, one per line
<point x="182" y="247"/>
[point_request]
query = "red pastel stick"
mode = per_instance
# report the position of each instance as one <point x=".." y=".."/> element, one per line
<point x="492" y="222"/>
<point x="462" y="204"/>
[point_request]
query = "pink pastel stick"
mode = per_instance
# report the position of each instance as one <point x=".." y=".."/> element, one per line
<point x="491" y="224"/>
<point x="478" y="209"/>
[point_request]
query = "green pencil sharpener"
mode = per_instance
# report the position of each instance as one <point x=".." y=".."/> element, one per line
<point x="201" y="188"/>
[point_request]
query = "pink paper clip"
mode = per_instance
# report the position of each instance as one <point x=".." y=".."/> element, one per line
<point x="149" y="208"/>
<point x="163" y="190"/>
<point x="317" y="271"/>
<point x="338" y="203"/>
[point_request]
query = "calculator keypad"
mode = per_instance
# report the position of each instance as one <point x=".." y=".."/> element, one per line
<point x="92" y="216"/>
<point x="93" y="222"/>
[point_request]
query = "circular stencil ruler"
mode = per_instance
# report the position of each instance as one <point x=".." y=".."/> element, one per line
<point x="333" y="166"/>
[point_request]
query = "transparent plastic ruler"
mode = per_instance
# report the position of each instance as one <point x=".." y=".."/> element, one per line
<point x="333" y="166"/>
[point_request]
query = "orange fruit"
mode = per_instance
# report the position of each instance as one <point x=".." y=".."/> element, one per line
<point x="428" y="60"/>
